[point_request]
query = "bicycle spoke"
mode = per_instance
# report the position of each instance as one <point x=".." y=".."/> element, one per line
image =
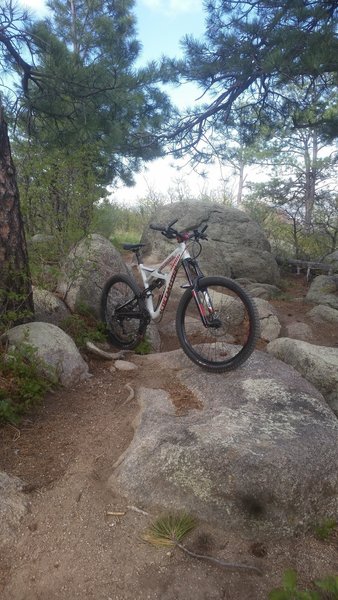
<point x="217" y="328"/>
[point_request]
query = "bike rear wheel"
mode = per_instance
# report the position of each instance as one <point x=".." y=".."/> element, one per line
<point x="123" y="312"/>
<point x="232" y="325"/>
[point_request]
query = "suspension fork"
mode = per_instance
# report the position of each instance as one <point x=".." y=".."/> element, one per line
<point x="202" y="299"/>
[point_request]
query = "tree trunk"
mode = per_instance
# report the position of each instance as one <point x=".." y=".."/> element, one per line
<point x="16" y="298"/>
<point x="311" y="157"/>
<point x="241" y="180"/>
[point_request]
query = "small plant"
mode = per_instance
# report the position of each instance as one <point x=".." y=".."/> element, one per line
<point x="23" y="380"/>
<point x="324" y="530"/>
<point x="169" y="530"/>
<point x="284" y="296"/>
<point x="144" y="347"/>
<point x="327" y="589"/>
<point x="12" y="310"/>
<point x="83" y="328"/>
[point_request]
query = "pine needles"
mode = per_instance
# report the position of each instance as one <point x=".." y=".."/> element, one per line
<point x="169" y="530"/>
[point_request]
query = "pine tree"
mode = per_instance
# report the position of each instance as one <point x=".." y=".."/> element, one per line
<point x="84" y="111"/>
<point x="251" y="50"/>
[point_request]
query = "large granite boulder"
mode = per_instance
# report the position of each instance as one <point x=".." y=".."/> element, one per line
<point x="48" y="307"/>
<point x="236" y="246"/>
<point x="58" y="353"/>
<point x="259" y="456"/>
<point x="324" y="290"/>
<point x="318" y="364"/>
<point x="88" y="266"/>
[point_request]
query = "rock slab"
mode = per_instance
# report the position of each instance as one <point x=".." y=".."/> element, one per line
<point x="13" y="506"/>
<point x="259" y="457"/>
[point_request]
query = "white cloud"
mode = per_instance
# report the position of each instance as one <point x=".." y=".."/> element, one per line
<point x="174" y="7"/>
<point x="38" y="6"/>
<point x="161" y="176"/>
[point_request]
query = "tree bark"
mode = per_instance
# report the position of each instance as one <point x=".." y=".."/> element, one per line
<point x="310" y="157"/>
<point x="241" y="180"/>
<point x="16" y="298"/>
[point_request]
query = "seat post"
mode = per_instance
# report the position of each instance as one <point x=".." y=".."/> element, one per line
<point x="138" y="255"/>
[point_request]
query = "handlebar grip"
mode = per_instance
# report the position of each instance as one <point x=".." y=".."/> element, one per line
<point x="204" y="228"/>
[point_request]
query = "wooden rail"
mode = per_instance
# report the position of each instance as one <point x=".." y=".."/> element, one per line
<point x="309" y="265"/>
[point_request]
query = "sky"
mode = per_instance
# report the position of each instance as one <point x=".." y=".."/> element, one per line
<point x="161" y="25"/>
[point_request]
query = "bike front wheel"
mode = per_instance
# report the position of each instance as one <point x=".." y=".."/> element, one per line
<point x="123" y="312"/>
<point x="217" y="324"/>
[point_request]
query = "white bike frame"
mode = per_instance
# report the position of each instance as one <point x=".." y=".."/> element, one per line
<point x="151" y="274"/>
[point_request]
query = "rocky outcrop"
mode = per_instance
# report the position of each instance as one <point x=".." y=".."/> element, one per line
<point x="332" y="259"/>
<point x="236" y="246"/>
<point x="323" y="314"/>
<point x="259" y="455"/>
<point x="318" y="364"/>
<point x="323" y="290"/>
<point x="265" y="291"/>
<point x="88" y="266"/>
<point x="57" y="352"/>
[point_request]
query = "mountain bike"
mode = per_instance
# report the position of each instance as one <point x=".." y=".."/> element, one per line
<point x="216" y="321"/>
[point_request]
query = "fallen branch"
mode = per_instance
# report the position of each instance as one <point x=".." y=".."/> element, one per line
<point x="218" y="561"/>
<point x="131" y="394"/>
<point x="138" y="510"/>
<point x="102" y="353"/>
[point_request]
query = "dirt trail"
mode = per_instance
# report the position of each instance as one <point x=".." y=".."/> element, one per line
<point x="70" y="546"/>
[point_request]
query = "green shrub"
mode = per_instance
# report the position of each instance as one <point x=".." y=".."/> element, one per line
<point x="144" y="347"/>
<point x="121" y="237"/>
<point x="83" y="328"/>
<point x="324" y="530"/>
<point x="23" y="382"/>
<point x="323" y="589"/>
<point x="12" y="316"/>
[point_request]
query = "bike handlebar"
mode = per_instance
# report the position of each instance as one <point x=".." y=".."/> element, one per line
<point x="170" y="233"/>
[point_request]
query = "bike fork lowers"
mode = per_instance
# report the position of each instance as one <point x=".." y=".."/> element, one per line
<point x="202" y="298"/>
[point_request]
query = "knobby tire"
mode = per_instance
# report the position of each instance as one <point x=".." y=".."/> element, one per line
<point x="123" y="311"/>
<point x="234" y="326"/>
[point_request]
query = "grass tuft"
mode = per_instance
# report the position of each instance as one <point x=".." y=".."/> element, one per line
<point x="169" y="530"/>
